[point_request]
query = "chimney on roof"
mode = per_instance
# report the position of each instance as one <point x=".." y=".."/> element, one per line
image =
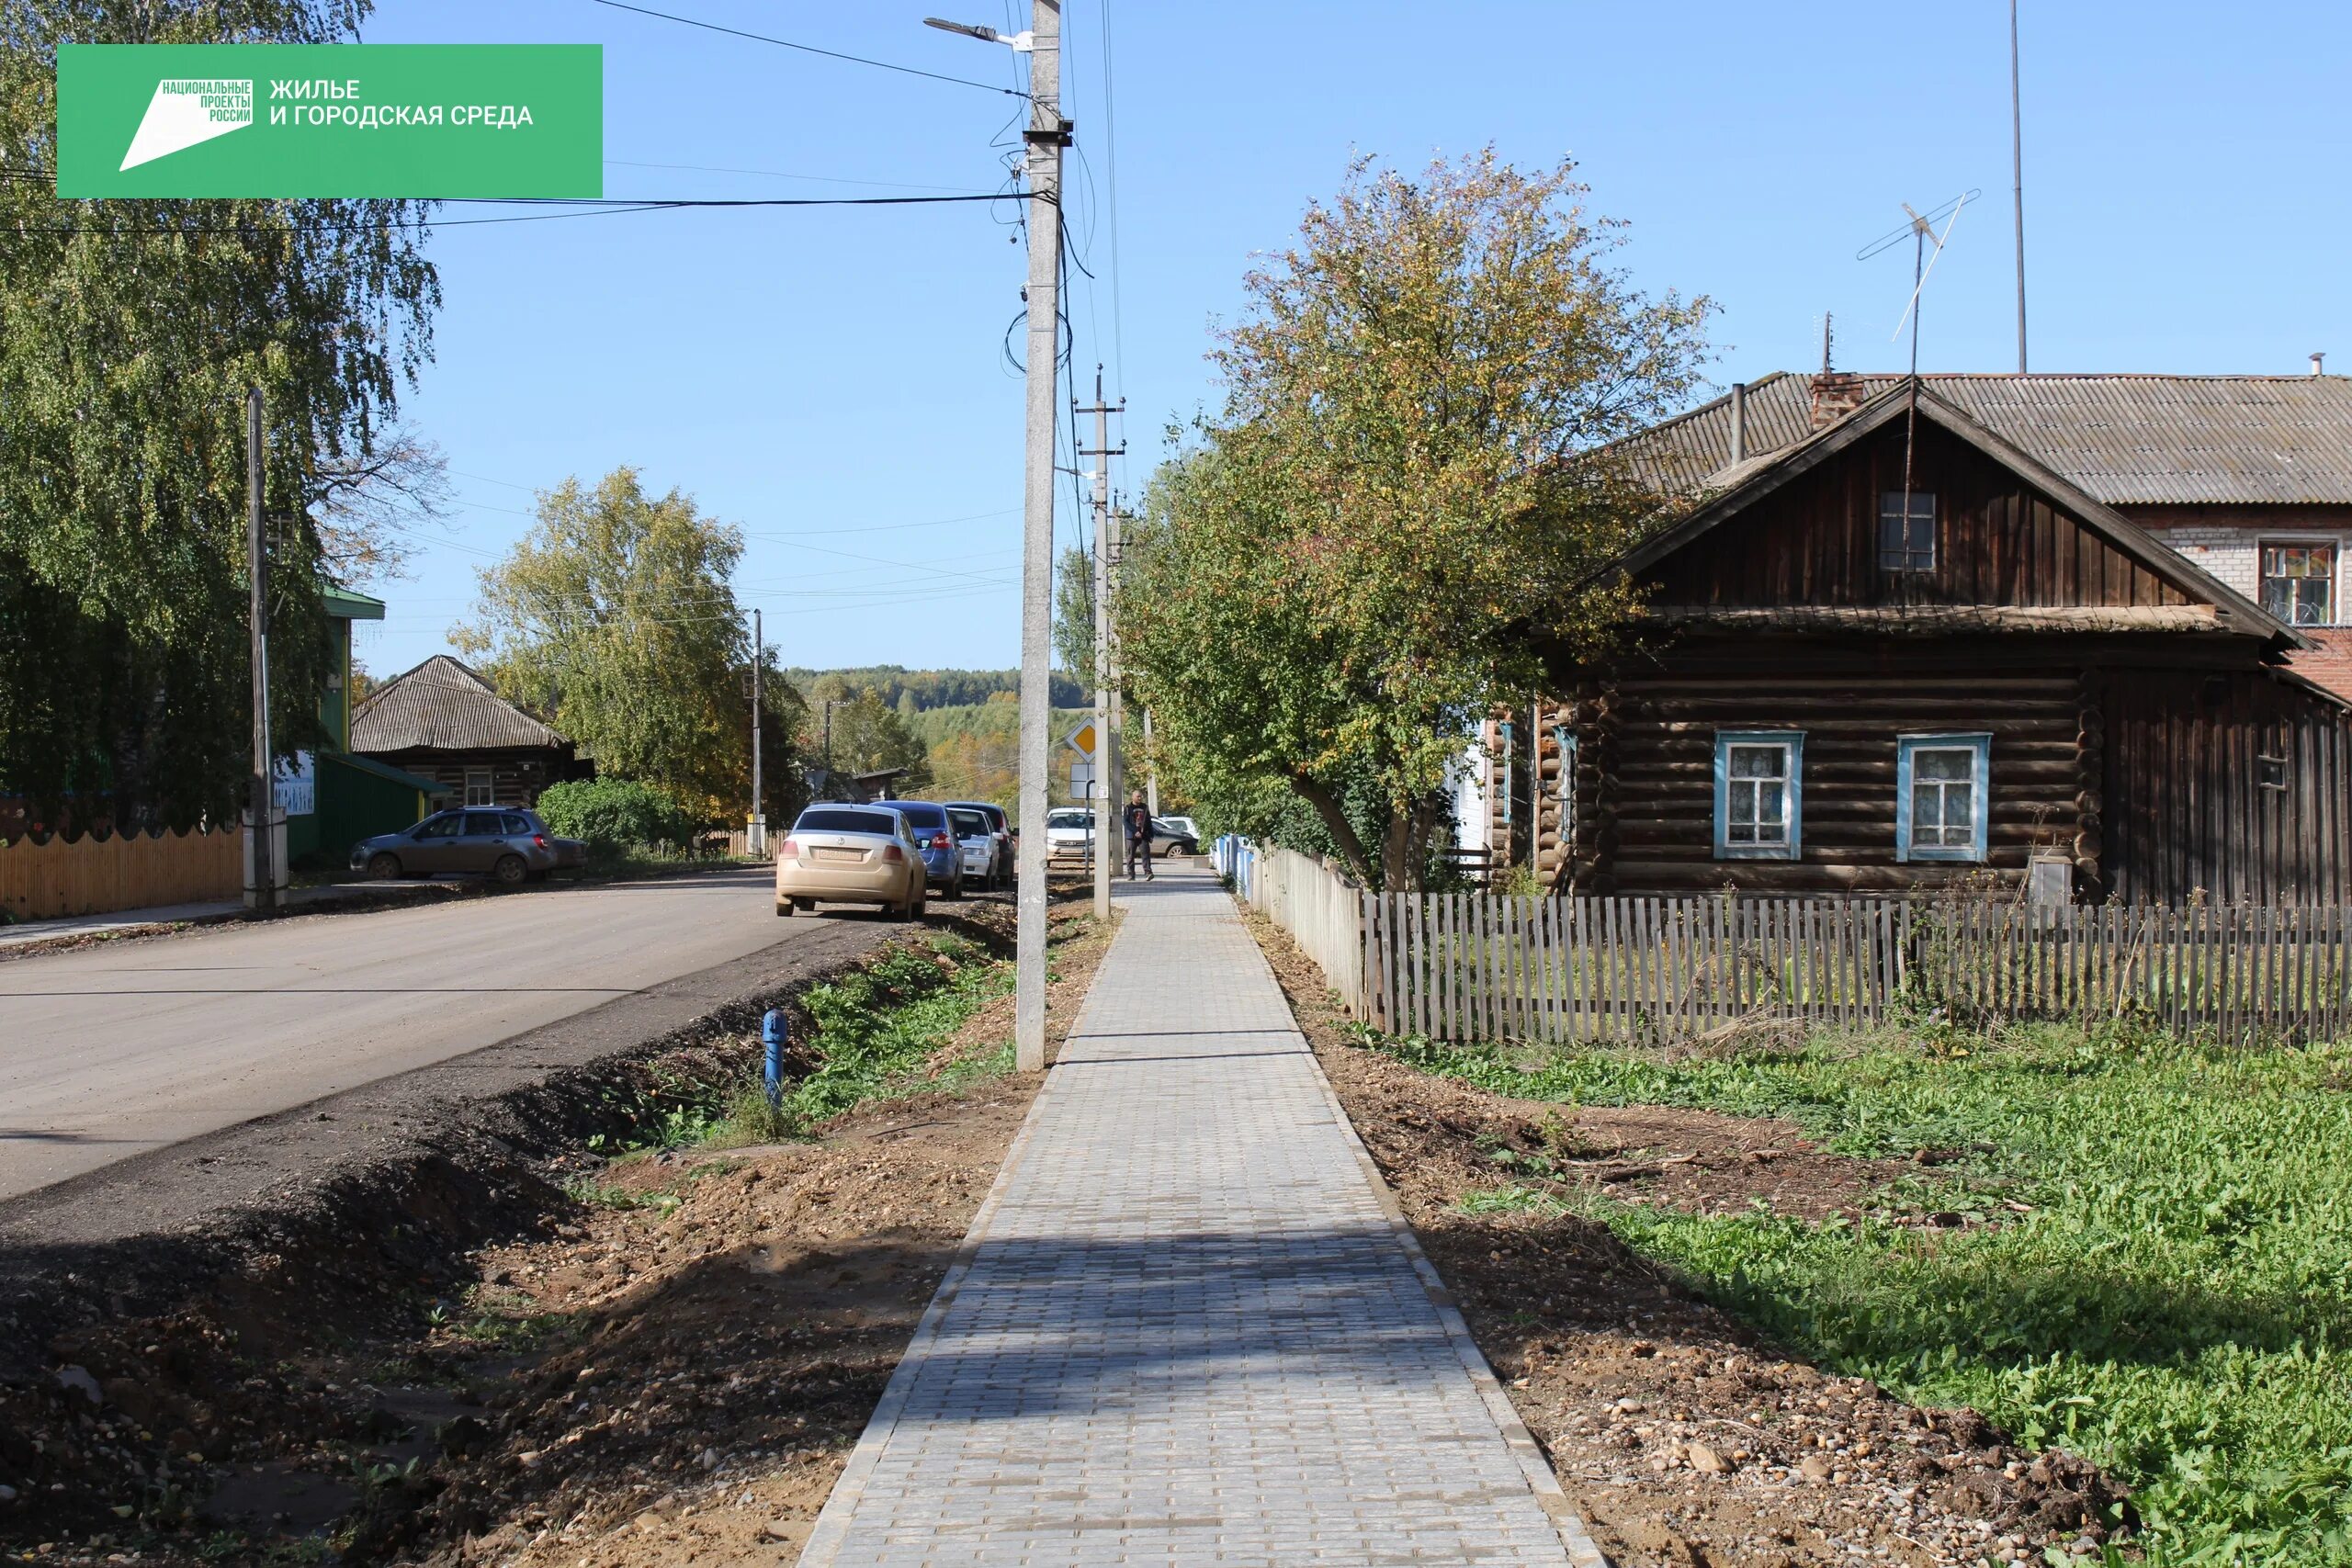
<point x="1835" y="394"/>
<point x="1739" y="421"/>
<point x="2316" y="360"/>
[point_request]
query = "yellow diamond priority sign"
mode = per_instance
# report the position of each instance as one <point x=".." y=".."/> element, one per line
<point x="1081" y="739"/>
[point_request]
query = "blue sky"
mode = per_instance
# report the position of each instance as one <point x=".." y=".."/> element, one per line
<point x="843" y="371"/>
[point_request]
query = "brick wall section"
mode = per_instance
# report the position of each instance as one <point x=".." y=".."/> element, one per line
<point x="2233" y="555"/>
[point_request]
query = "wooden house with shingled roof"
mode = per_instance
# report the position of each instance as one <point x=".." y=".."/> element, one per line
<point x="445" y="722"/>
<point x="2091" y="645"/>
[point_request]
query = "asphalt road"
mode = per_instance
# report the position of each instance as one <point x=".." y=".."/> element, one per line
<point x="112" y="1050"/>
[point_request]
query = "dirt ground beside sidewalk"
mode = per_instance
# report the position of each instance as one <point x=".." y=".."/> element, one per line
<point x="669" y="1365"/>
<point x="1683" y="1437"/>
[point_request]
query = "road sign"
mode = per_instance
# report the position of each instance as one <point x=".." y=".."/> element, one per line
<point x="338" y="119"/>
<point x="1081" y="739"/>
<point x="1082" y="781"/>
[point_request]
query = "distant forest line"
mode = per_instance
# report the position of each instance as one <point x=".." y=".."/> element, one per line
<point x="937" y="688"/>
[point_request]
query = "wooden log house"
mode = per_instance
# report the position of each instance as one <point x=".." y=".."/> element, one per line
<point x="1833" y="689"/>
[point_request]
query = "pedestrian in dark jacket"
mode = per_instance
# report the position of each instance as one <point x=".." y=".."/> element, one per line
<point x="1137" y="818"/>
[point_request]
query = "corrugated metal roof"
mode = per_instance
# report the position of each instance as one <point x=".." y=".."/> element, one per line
<point x="441" y="706"/>
<point x="2126" y="440"/>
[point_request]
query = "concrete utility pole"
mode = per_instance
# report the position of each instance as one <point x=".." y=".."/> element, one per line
<point x="1106" y="677"/>
<point x="1046" y="135"/>
<point x="261" y="880"/>
<point x="755" y="832"/>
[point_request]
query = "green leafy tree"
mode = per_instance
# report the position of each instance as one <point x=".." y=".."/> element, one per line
<point x="868" y="734"/>
<point x="616" y="815"/>
<point x="129" y="331"/>
<point x="1402" y="492"/>
<point x="613" y="617"/>
<point x="1074" y="618"/>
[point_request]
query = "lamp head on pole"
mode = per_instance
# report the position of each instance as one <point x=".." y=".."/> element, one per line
<point x="1021" y="42"/>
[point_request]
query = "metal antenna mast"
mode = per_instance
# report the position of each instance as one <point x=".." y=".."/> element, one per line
<point x="2017" y="176"/>
<point x="1920" y="230"/>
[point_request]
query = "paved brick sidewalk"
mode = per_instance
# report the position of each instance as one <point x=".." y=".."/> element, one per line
<point x="1188" y="1327"/>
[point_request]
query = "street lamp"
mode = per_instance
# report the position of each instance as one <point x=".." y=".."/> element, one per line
<point x="1020" y="42"/>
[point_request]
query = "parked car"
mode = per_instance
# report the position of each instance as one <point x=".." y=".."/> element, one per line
<point x="508" y="843"/>
<point x="1008" y="842"/>
<point x="1069" y="832"/>
<point x="1175" y="836"/>
<point x="941" y="860"/>
<point x="977" y="842"/>
<point x="850" y="854"/>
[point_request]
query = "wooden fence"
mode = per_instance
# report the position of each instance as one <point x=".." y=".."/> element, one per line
<point x="95" y="876"/>
<point x="1321" y="910"/>
<point x="1483" y="966"/>
<point x="1477" y="966"/>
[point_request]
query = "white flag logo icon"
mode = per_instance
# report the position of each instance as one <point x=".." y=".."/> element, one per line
<point x="187" y="110"/>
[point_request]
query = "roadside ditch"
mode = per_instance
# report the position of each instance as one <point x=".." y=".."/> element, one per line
<point x="616" y="1311"/>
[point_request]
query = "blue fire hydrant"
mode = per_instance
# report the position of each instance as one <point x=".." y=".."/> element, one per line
<point x="777" y="1033"/>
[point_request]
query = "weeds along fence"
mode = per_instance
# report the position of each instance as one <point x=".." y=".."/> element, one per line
<point x="93" y="875"/>
<point x="1484" y="966"/>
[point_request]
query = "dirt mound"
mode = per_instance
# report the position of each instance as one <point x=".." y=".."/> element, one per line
<point x="1682" y="1437"/>
<point x="512" y="1343"/>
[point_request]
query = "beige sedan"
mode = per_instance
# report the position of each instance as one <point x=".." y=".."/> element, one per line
<point x="850" y="855"/>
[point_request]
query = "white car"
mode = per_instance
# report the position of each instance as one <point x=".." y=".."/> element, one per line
<point x="986" y="865"/>
<point x="1069" y="833"/>
<point x="1175" y="835"/>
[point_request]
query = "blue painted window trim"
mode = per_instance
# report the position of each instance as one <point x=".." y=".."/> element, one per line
<point x="1980" y="800"/>
<point x="1794" y="741"/>
<point x="1564" y="739"/>
<point x="1503" y="732"/>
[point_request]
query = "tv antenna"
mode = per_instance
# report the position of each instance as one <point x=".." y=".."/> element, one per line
<point x="1920" y="230"/>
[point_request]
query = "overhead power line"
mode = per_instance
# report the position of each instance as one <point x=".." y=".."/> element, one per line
<point x="583" y="207"/>
<point x="809" y="48"/>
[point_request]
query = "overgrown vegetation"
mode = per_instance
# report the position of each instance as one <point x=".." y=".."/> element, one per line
<point x="613" y="816"/>
<point x="2153" y="1266"/>
<point x="871" y="1035"/>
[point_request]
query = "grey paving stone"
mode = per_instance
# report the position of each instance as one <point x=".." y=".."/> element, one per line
<point x="1187" y="1326"/>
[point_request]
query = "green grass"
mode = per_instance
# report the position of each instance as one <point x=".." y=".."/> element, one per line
<point x="876" y="1029"/>
<point x="2176" y="1305"/>
<point x="872" y="1032"/>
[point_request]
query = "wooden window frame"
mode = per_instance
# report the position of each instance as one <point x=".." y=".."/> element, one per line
<point x="1890" y="503"/>
<point x="1979" y="743"/>
<point x="1792" y="741"/>
<point x="490" y="786"/>
<point x="2263" y="544"/>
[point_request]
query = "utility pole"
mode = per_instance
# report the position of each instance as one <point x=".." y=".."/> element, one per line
<point x="1046" y="135"/>
<point x="1106" y="679"/>
<point x="261" y="880"/>
<point x="755" y="832"/>
<point x="2017" y="176"/>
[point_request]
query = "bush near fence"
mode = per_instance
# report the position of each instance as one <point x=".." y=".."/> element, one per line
<point x="93" y="875"/>
<point x="1486" y="966"/>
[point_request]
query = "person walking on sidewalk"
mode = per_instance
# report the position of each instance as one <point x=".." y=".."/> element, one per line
<point x="1137" y="818"/>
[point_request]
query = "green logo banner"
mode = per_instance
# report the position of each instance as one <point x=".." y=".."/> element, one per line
<point x="354" y="120"/>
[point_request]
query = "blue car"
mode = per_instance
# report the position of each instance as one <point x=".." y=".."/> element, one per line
<point x="942" y="858"/>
